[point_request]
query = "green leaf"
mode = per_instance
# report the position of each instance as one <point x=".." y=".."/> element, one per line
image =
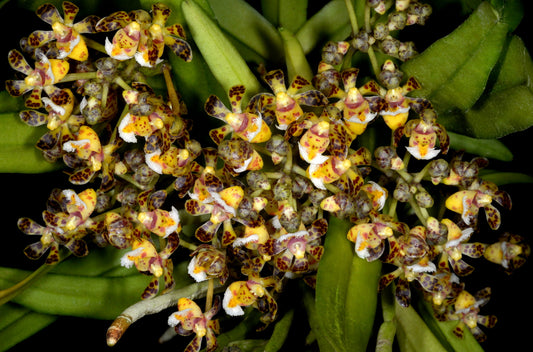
<point x="504" y="112"/>
<point x="444" y="331"/>
<point x="505" y="178"/>
<point x="478" y="79"/>
<point x="80" y="296"/>
<point x="511" y="11"/>
<point x="280" y="333"/>
<point x="239" y="332"/>
<point x="516" y="67"/>
<point x="387" y="330"/>
<point x="489" y="148"/>
<point x="18" y="153"/>
<point x="295" y="58"/>
<point x="346" y="293"/>
<point x="320" y="28"/>
<point x="18" y="323"/>
<point x="290" y="14"/>
<point x="251" y="30"/>
<point x="224" y="61"/>
<point x="454" y="70"/>
<point x="413" y="333"/>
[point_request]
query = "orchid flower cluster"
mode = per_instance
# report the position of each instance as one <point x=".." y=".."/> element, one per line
<point x="261" y="194"/>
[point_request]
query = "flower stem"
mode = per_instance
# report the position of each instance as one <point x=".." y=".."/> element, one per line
<point x="94" y="45"/>
<point x="78" y="76"/>
<point x="171" y="90"/>
<point x="352" y="16"/>
<point x="371" y="54"/>
<point x="209" y="295"/>
<point x="8" y="294"/>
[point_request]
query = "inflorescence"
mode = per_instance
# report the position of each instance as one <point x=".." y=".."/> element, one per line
<point x="262" y="192"/>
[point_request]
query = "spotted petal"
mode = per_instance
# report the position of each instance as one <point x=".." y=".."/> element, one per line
<point x="206" y="232"/>
<point x="180" y="47"/>
<point x="87" y="25"/>
<point x="18" y="62"/>
<point x="493" y="216"/>
<point x="77" y="247"/>
<point x="35" y="250"/>
<point x="40" y="38"/>
<point x="82" y="175"/>
<point x="49" y="13"/>
<point x="311" y="98"/>
<point x="461" y="268"/>
<point x="298" y="83"/>
<point x="473" y="250"/>
<point x="176" y="30"/>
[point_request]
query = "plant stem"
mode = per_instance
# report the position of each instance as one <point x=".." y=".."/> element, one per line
<point x="371" y="54"/>
<point x="352" y="16"/>
<point x="152" y="306"/>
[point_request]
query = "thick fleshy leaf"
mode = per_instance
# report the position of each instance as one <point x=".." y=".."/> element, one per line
<point x="280" y="333"/>
<point x="455" y="69"/>
<point x="224" y="61"/>
<point x="443" y="330"/>
<point x="82" y="296"/>
<point x="252" y="31"/>
<point x="489" y="148"/>
<point x="408" y="321"/>
<point x="346" y="293"/>
<point x="18" y="323"/>
<point x="18" y="153"/>
<point x="290" y="14"/>
<point x="477" y="77"/>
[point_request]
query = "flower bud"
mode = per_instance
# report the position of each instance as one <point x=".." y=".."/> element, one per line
<point x="406" y="51"/>
<point x="308" y="214"/>
<point x="438" y="169"/>
<point x="390" y="46"/>
<point x="381" y="31"/>
<point x="397" y="21"/>
<point x="283" y="188"/>
<point x="402" y="191"/>
<point x="258" y="180"/>
<point x="424" y="199"/>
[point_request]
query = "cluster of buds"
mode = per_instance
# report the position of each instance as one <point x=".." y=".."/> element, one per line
<point x="392" y="18"/>
<point x="261" y="194"/>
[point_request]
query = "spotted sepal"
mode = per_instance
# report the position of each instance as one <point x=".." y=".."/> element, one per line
<point x="82" y="175"/>
<point x="276" y="80"/>
<point x="349" y="78"/>
<point x="402" y="292"/>
<point x="207" y="231"/>
<point x="215" y="107"/>
<point x="113" y="22"/>
<point x="33" y="118"/>
<point x="460" y="267"/>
